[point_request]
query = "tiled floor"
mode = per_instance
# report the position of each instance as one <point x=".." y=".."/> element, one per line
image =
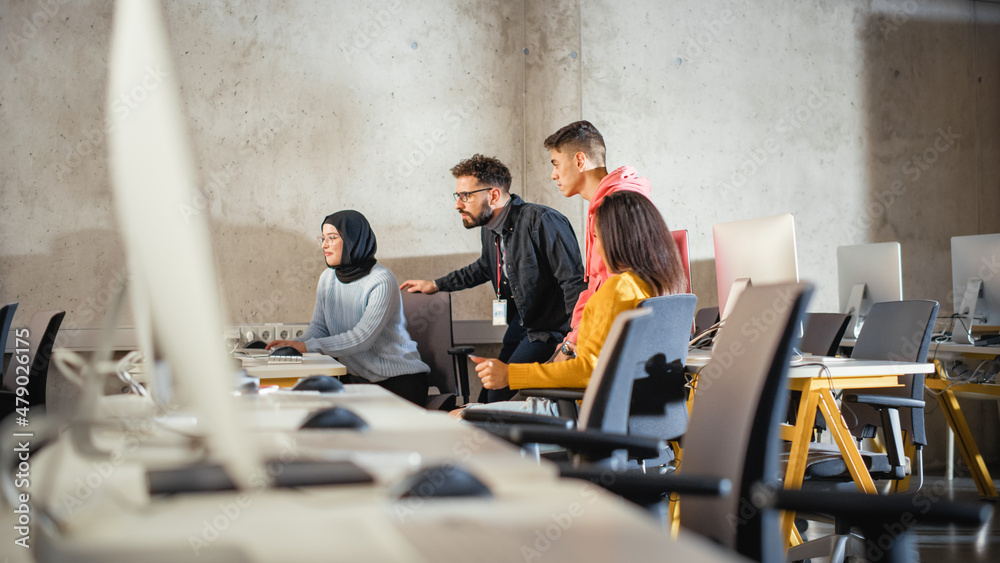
<point x="947" y="543"/>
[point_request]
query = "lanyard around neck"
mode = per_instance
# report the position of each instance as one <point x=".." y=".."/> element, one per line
<point x="499" y="271"/>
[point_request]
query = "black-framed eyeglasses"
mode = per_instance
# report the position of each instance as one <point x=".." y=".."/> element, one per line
<point x="464" y="196"/>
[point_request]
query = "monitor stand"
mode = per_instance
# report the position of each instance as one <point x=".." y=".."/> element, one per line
<point x="857" y="307"/>
<point x="961" y="332"/>
<point x="739" y="286"/>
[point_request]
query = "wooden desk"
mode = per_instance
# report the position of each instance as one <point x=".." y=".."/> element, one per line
<point x="285" y="375"/>
<point x="947" y="390"/>
<point x="816" y="377"/>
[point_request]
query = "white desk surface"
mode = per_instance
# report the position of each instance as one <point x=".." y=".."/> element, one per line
<point x="946" y="346"/>
<point x="531" y="515"/>
<point x="312" y="364"/>
<point x="813" y="366"/>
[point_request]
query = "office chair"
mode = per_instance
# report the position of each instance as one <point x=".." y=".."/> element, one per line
<point x="428" y="320"/>
<point x="666" y="334"/>
<point x="42" y="330"/>
<point x="894" y="331"/>
<point x="646" y="361"/>
<point x="823" y="332"/>
<point x="733" y="435"/>
<point x="6" y="317"/>
<point x="882" y="519"/>
<point x="704" y="318"/>
<point x="821" y="336"/>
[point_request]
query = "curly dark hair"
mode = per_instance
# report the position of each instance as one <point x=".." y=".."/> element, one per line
<point x="487" y="170"/>
<point x="636" y="238"/>
<point x="579" y="136"/>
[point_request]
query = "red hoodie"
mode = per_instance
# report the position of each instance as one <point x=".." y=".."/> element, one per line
<point x="623" y="179"/>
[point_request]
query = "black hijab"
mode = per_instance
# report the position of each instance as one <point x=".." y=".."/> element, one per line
<point x="357" y="255"/>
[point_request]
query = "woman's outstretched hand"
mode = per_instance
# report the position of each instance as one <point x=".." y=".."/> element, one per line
<point x="491" y="371"/>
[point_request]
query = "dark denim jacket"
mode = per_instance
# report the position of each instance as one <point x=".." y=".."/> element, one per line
<point x="544" y="268"/>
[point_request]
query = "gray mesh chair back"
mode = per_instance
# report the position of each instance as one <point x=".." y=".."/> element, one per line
<point x="623" y="396"/>
<point x="738" y="406"/>
<point x="898" y="331"/>
<point x="658" y="406"/>
<point x="6" y="317"/>
<point x="823" y="333"/>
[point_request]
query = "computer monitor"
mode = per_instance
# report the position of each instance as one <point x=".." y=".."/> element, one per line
<point x="681" y="238"/>
<point x="753" y="251"/>
<point x="975" y="279"/>
<point x="868" y="274"/>
<point x="169" y="253"/>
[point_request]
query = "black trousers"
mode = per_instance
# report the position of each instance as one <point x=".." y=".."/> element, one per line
<point x="411" y="387"/>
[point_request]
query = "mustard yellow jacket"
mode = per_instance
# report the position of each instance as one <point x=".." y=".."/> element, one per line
<point x="619" y="293"/>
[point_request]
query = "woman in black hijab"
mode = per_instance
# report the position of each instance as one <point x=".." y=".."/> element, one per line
<point x="358" y="317"/>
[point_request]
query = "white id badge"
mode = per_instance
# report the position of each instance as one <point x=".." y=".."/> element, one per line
<point x="499" y="312"/>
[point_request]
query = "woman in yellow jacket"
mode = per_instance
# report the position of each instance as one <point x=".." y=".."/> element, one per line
<point x="634" y="242"/>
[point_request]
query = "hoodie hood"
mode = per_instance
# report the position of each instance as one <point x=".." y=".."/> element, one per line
<point x="625" y="178"/>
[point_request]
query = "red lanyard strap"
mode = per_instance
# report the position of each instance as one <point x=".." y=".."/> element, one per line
<point x="499" y="272"/>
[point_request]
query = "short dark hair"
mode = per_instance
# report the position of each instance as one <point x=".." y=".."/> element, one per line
<point x="636" y="238"/>
<point x="487" y="170"/>
<point x="579" y="136"/>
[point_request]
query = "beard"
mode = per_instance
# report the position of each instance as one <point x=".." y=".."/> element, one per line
<point x="471" y="222"/>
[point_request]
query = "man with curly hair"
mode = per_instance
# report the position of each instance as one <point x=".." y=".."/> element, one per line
<point x="530" y="256"/>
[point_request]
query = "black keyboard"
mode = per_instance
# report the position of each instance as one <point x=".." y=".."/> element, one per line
<point x="988" y="340"/>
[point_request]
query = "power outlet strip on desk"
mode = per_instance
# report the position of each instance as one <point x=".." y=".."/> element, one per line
<point x="269" y="332"/>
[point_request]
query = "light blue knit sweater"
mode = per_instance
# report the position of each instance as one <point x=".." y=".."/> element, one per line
<point x="361" y="324"/>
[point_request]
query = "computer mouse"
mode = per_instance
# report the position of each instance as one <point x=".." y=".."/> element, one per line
<point x="441" y="481"/>
<point x="333" y="418"/>
<point x="256" y="344"/>
<point x="321" y="383"/>
<point x="285" y="351"/>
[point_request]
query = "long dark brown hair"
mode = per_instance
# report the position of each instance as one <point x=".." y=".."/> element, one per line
<point x="636" y="238"/>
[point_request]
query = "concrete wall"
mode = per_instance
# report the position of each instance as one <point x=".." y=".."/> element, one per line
<point x="869" y="120"/>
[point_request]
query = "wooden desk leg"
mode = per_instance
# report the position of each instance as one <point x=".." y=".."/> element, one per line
<point x="799" y="453"/>
<point x="673" y="508"/>
<point x="283" y="382"/>
<point x="967" y="444"/>
<point x="844" y="440"/>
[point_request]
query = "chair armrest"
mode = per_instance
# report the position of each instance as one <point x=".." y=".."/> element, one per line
<point x="590" y="443"/>
<point x="635" y="483"/>
<point x="571" y="394"/>
<point x="460" y="359"/>
<point x="861" y="509"/>
<point x="884" y="401"/>
<point x="487" y="417"/>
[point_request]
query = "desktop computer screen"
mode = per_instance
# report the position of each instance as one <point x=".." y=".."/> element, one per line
<point x="755" y="251"/>
<point x="868" y="274"/>
<point x="169" y="253"/>
<point x="975" y="278"/>
<point x="681" y="238"/>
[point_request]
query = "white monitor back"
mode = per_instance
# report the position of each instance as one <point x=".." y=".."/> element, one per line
<point x="879" y="266"/>
<point x="977" y="257"/>
<point x="153" y="177"/>
<point x="761" y="250"/>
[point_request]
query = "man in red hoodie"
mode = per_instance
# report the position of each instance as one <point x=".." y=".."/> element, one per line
<point x="578" y="169"/>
